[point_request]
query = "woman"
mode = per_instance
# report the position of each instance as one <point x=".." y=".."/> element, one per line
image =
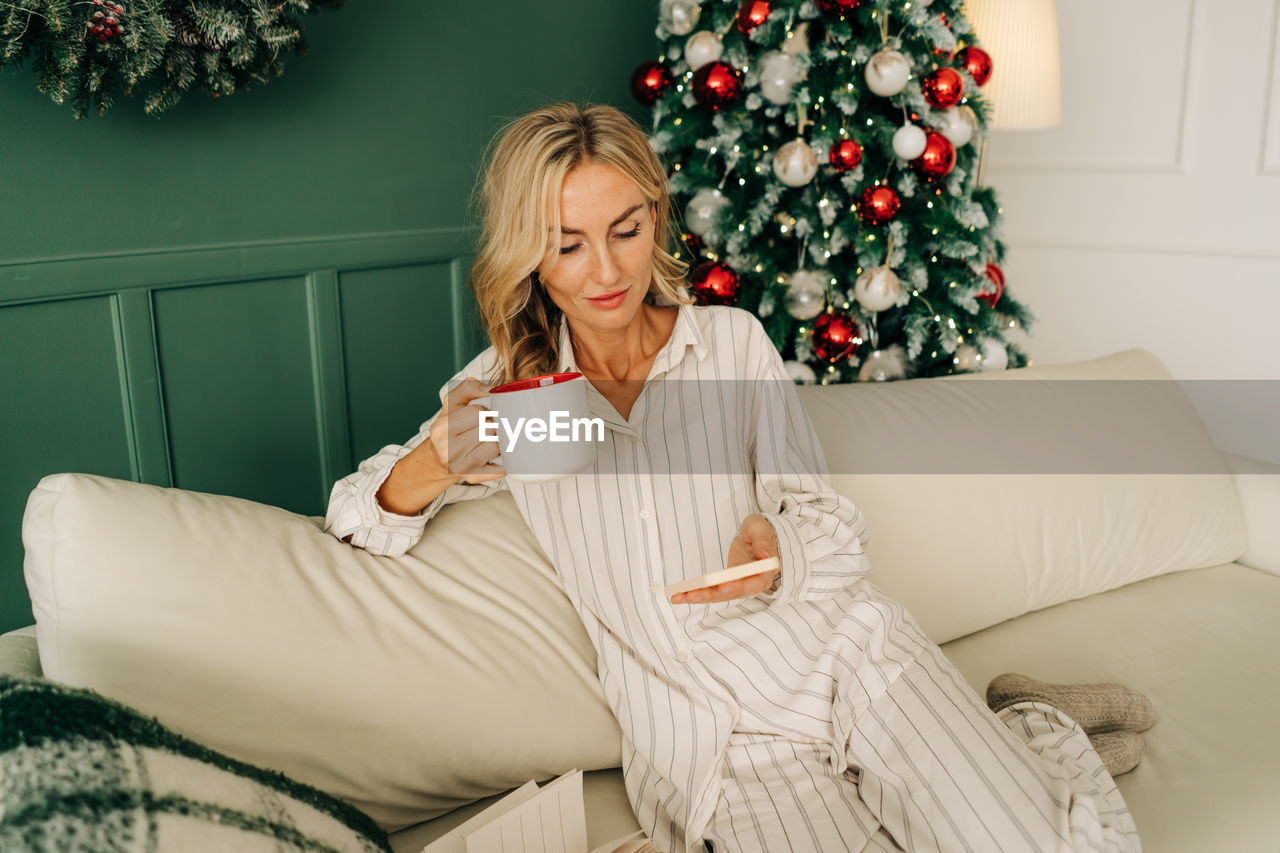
<point x="796" y="709"/>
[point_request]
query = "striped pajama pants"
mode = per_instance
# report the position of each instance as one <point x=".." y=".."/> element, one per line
<point x="930" y="769"/>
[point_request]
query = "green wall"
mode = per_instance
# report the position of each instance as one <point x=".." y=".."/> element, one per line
<point x="229" y="298"/>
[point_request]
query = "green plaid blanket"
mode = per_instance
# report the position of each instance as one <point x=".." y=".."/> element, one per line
<point x="80" y="772"/>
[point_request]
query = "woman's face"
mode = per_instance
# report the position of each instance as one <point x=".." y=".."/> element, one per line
<point x="606" y="248"/>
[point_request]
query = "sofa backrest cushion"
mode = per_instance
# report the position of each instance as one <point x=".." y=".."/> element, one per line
<point x="407" y="686"/>
<point x="990" y="495"/>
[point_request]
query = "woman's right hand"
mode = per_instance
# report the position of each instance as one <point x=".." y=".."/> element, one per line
<point x="452" y="452"/>
<point x="455" y="436"/>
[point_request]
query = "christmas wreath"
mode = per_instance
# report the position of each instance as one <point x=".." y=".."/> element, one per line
<point x="93" y="52"/>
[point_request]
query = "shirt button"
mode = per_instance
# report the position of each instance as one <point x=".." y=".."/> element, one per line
<point x="644" y="513"/>
<point x="684" y="657"/>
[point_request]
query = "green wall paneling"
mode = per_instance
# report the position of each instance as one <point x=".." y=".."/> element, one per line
<point x="64" y="409"/>
<point x="239" y="393"/>
<point x="395" y="356"/>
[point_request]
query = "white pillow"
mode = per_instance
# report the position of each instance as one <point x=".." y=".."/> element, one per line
<point x="986" y="497"/>
<point x="407" y="686"/>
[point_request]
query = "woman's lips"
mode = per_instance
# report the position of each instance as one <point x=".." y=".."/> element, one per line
<point x="610" y="301"/>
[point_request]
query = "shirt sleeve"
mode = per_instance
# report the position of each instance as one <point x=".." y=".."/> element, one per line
<point x="354" y="510"/>
<point x="822" y="536"/>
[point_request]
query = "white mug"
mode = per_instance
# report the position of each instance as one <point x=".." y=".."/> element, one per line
<point x="543" y="426"/>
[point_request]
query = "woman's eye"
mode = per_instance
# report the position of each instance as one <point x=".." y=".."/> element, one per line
<point x="568" y="250"/>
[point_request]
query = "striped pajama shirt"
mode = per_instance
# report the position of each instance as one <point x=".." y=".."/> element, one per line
<point x="817" y="717"/>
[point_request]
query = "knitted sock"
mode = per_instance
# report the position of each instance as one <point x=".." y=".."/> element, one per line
<point x="1097" y="708"/>
<point x="1120" y="751"/>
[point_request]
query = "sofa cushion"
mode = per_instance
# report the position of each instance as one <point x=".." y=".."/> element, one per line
<point x="1202" y="645"/>
<point x="407" y="686"/>
<point x="991" y="495"/>
<point x="79" y="772"/>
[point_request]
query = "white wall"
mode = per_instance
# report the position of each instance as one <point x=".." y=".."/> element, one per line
<point x="1151" y="218"/>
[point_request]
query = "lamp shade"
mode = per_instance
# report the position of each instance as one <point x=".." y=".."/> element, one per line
<point x="1021" y="36"/>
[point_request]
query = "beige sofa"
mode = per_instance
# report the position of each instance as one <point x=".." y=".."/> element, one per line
<point x="1069" y="529"/>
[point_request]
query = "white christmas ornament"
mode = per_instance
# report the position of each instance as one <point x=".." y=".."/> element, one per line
<point x="678" y="16"/>
<point x="778" y="73"/>
<point x="807" y="295"/>
<point x="887" y="72"/>
<point x="795" y="164"/>
<point x="884" y="365"/>
<point x="800" y="372"/>
<point x="702" y="47"/>
<point x="702" y="210"/>
<point x="958" y="125"/>
<point x="967" y="358"/>
<point x="877" y="289"/>
<point x="797" y="40"/>
<point x="909" y="142"/>
<point x="994" y="356"/>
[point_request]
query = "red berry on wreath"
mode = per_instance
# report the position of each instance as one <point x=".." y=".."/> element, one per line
<point x="97" y="2"/>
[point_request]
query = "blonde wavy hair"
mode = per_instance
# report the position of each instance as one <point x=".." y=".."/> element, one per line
<point x="519" y="207"/>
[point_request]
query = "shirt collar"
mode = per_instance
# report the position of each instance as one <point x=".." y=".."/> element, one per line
<point x="686" y="333"/>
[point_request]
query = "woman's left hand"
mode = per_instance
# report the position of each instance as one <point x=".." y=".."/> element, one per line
<point x="756" y="540"/>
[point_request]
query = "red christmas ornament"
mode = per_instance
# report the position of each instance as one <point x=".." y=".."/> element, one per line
<point x="837" y="8"/>
<point x="835" y="336"/>
<point x="879" y="205"/>
<point x="715" y="283"/>
<point x="996" y="276"/>
<point x="846" y="154"/>
<point x="977" y="62"/>
<point x="753" y="14"/>
<point x="939" y="156"/>
<point x="943" y="88"/>
<point x="649" y="81"/>
<point x="716" y="85"/>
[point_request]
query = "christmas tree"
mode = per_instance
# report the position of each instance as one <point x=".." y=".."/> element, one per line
<point x="825" y="155"/>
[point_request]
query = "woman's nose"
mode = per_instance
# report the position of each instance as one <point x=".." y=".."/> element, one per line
<point x="604" y="266"/>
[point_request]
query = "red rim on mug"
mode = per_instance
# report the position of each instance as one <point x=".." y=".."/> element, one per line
<point x="535" y="382"/>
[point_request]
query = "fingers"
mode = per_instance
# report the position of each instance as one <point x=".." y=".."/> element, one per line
<point x="464" y="392"/>
<point x="743" y="588"/>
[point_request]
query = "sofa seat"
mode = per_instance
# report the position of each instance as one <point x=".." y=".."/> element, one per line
<point x="1201" y="643"/>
